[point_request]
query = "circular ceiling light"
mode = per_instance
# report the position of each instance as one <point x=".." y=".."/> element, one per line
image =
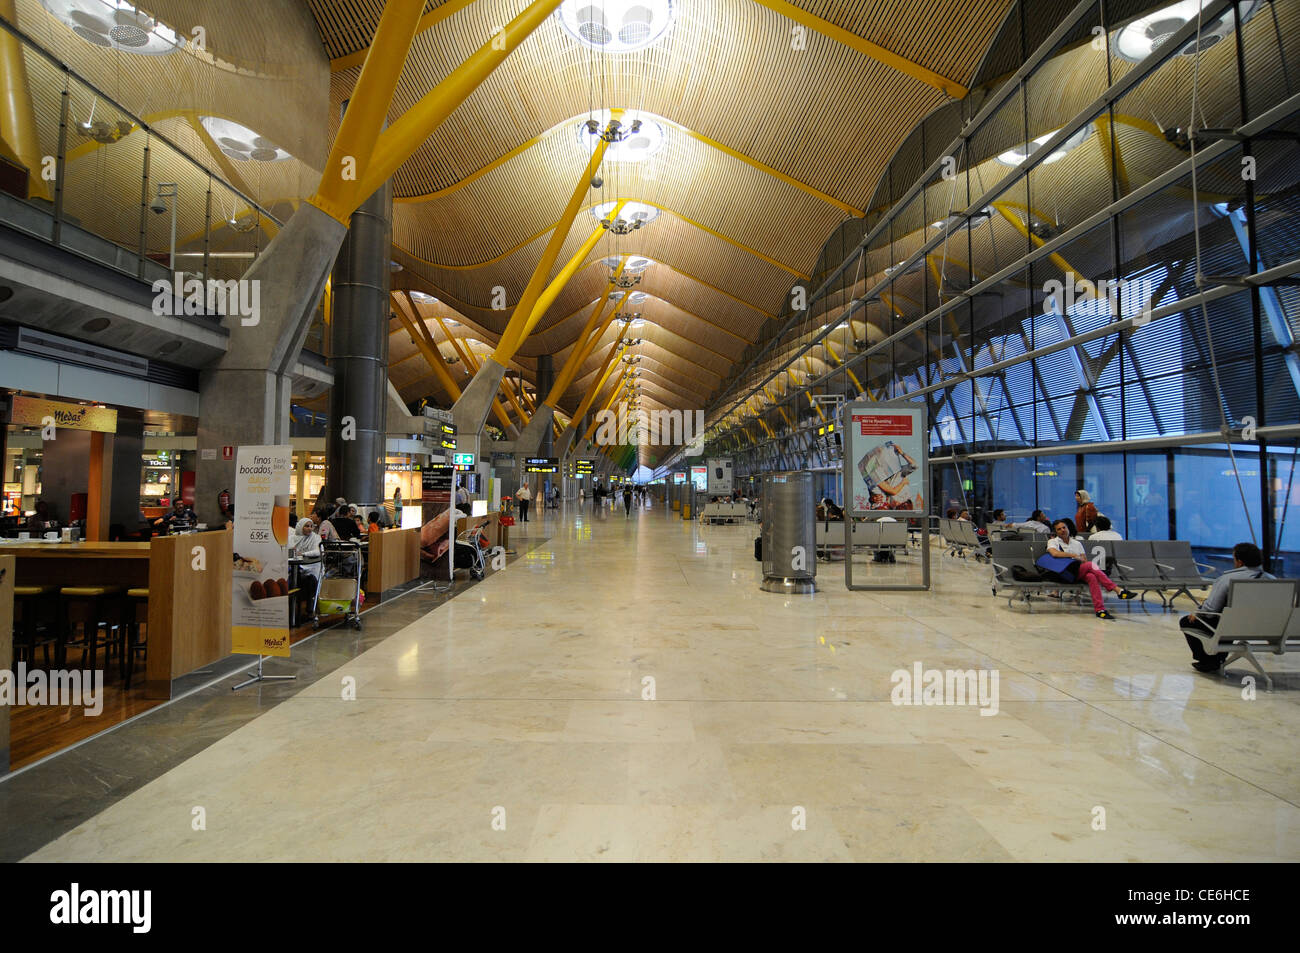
<point x="115" y="26"/>
<point x="616" y="26"/>
<point x="241" y="143"/>
<point x="643" y="135"/>
<point x="1014" y="157"/>
<point x="1147" y="34"/>
<point x="635" y="264"/>
<point x="636" y="297"/>
<point x="631" y="212"/>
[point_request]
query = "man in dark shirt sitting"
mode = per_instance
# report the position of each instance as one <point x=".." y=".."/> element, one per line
<point x="1247" y="563"/>
<point x="344" y="524"/>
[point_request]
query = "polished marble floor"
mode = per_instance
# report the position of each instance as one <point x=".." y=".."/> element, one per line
<point x="625" y="691"/>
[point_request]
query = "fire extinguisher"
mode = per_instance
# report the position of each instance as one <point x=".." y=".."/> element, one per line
<point x="223" y="501"/>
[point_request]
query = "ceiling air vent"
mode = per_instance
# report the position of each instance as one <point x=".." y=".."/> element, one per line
<point x="68" y="351"/>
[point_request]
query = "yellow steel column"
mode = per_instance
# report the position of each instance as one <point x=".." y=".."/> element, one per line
<point x="515" y="332"/>
<point x="467" y="356"/>
<point x="434" y="359"/>
<point x="359" y="132"/>
<point x="397" y="143"/>
<point x="547" y="297"/>
<point x="584" y="344"/>
<point x="615" y="350"/>
<point x="17" y="118"/>
<point x="848" y="370"/>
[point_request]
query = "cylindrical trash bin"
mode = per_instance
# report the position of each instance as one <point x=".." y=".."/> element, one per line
<point x="789" y="533"/>
<point x="688" y="500"/>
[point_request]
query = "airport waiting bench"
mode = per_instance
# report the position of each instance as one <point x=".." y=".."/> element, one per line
<point x="960" y="538"/>
<point x="1143" y="566"/>
<point x="725" y="512"/>
<point x="877" y="536"/>
<point x="1260" y="616"/>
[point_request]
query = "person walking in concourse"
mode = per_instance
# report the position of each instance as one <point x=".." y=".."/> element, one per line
<point x="524" y="496"/>
<point x="1063" y="545"/>
<point x="1247" y="563"/>
<point x="627" y="501"/>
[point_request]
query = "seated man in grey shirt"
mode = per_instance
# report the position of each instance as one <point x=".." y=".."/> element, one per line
<point x="1246" y="564"/>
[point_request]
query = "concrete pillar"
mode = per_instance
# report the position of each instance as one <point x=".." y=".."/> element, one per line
<point x="357" y="432"/>
<point x="244" y="399"/>
<point x="65" y="470"/>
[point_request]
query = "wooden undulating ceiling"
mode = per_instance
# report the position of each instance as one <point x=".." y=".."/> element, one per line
<point x="773" y="134"/>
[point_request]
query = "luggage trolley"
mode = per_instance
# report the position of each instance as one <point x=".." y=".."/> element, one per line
<point x="340" y="588"/>
<point x="470" y="551"/>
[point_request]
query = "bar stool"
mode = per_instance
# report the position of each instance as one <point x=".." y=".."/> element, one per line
<point x="29" y="600"/>
<point x="137" y="610"/>
<point x="100" y="601"/>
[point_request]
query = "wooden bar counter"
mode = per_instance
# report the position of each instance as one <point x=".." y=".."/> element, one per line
<point x="188" y="578"/>
<point x="393" y="559"/>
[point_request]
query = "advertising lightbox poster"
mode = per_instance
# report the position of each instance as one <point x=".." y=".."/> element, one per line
<point x="700" y="477"/>
<point x="887" y="452"/>
<point x="720" y="482"/>
<point x="260" y="591"/>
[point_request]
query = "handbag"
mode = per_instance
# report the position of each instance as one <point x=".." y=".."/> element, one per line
<point x="1058" y="567"/>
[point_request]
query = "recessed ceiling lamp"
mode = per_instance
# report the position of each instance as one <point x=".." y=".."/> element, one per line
<point x="616" y="26"/>
<point x="1147" y="34"/>
<point x="115" y="26"/>
<point x="635" y="264"/>
<point x="633" y="216"/>
<point x="634" y="138"/>
<point x="1014" y="157"/>
<point x="241" y="143"/>
<point x="636" y="297"/>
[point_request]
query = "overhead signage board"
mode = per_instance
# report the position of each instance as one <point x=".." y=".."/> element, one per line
<point x="720" y="476"/>
<point x="542" y="464"/>
<point x="435" y="484"/>
<point x="585" y="466"/>
<point x="462" y="461"/>
<point x="38" y="412"/>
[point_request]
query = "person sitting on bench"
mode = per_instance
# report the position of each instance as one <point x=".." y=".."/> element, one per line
<point x="1064" y="545"/>
<point x="1246" y="564"/>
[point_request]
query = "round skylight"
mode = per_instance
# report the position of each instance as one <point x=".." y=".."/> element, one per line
<point x="631" y="212"/>
<point x="1147" y="34"/>
<point x="241" y="143"/>
<point x="640" y="145"/>
<point x="635" y="264"/>
<point x="115" y="26"/>
<point x="635" y="298"/>
<point x="1014" y="157"/>
<point x="616" y="26"/>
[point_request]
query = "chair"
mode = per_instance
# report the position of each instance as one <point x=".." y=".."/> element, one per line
<point x="1138" y="568"/>
<point x="1259" y="614"/>
<point x="28" y="630"/>
<point x="100" y="603"/>
<point x="137" y="611"/>
<point x="1174" y="558"/>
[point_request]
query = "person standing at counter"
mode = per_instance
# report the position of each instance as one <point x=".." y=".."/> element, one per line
<point x="397" y="507"/>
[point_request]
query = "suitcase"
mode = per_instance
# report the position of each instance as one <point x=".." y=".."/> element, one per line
<point x="758" y="548"/>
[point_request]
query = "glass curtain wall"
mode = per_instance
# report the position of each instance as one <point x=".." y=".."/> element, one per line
<point x="1095" y="251"/>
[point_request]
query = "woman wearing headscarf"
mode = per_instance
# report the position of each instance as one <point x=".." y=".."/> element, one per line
<point x="1087" y="513"/>
<point x="307" y="546"/>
